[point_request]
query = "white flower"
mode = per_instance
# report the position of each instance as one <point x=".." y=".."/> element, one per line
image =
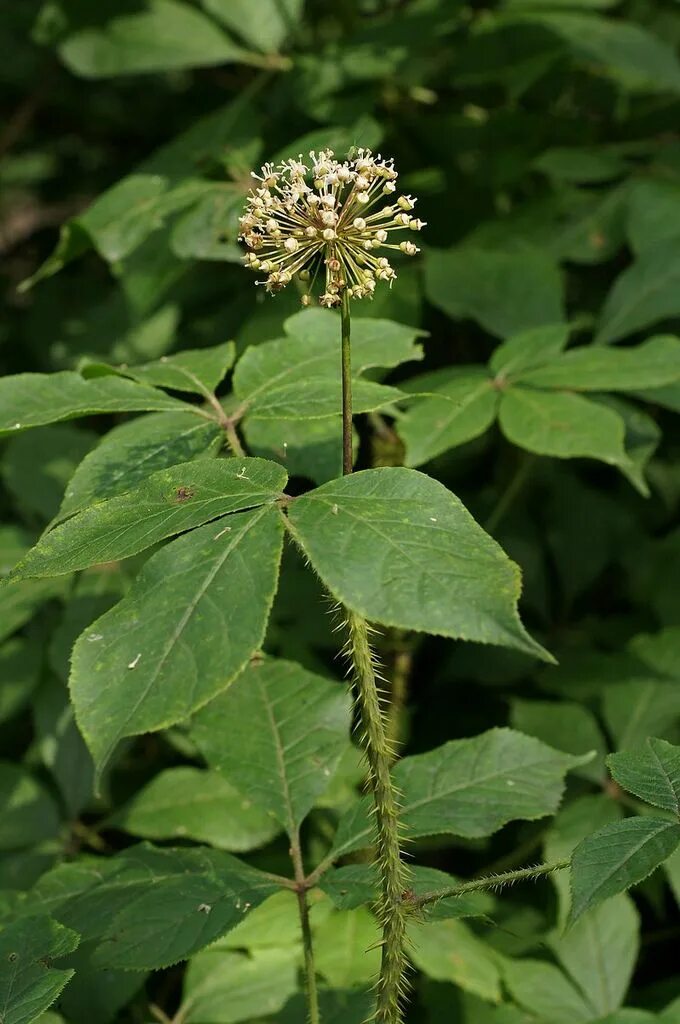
<point x="328" y="216"/>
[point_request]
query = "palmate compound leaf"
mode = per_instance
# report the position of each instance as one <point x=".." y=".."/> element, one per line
<point x="297" y="730"/>
<point x="148" y="907"/>
<point x="395" y="546"/>
<point x="617" y="857"/>
<point x="29" y="983"/>
<point x="652" y="772"/>
<point x="469" y="788"/>
<point x="34" y="399"/>
<point x="167" y="503"/>
<point x="187" y="627"/>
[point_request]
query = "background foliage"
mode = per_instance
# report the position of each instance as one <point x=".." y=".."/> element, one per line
<point x="541" y="137"/>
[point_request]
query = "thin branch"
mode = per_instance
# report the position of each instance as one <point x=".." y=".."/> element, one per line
<point x="489" y="882"/>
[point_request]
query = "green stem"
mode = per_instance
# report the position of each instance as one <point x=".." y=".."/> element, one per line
<point x="391" y="909"/>
<point x="307" y="944"/>
<point x="347" y="455"/>
<point x="489" y="882"/>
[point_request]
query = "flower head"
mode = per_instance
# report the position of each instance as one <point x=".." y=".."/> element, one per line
<point x="329" y="217"/>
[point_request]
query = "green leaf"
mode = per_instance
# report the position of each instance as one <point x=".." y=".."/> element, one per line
<point x="353" y="885"/>
<point x="653" y="210"/>
<point x="28" y="814"/>
<point x="469" y="788"/>
<point x="600" y="951"/>
<point x="298" y="376"/>
<point x="346" y="948"/>
<point x="197" y="371"/>
<point x="162" y="35"/>
<point x="528" y="350"/>
<point x="564" y="725"/>
<point x="634" y="57"/>
<point x="396" y="546"/>
<point x="19" y="603"/>
<point x="594" y="368"/>
<point x="227" y="987"/>
<point x="187" y="627"/>
<point x="449" y="951"/>
<point x="579" y="165"/>
<point x="38" y="464"/>
<point x="617" y="857"/>
<point x="651" y="772"/>
<point x="309" y="448"/>
<point x="264" y="26"/>
<point x="148" y="908"/>
<point x="20" y="663"/>
<point x="131" y="452"/>
<point x="505" y="292"/>
<point x="543" y="989"/>
<point x="466" y="409"/>
<point x="648" y="291"/>
<point x="298" y="726"/>
<point x="62" y="747"/>
<point x="34" y="399"/>
<point x="638" y="708"/>
<point x="189" y="803"/>
<point x="29" y="983"/>
<point x="167" y="503"/>
<point x="562" y="425"/>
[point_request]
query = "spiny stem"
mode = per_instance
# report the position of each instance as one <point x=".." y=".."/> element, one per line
<point x="347" y="455"/>
<point x="488" y="882"/>
<point x="391" y="909"/>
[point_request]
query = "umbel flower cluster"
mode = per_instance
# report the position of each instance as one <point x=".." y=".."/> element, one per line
<point x="328" y="218"/>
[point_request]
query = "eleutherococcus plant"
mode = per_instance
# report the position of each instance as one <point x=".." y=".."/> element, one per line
<point x="329" y="217"/>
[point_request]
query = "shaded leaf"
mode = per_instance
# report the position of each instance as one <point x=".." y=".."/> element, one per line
<point x="188" y="626"/>
<point x="191" y="803"/>
<point x="226" y="987"/>
<point x="617" y="857"/>
<point x="167" y="503"/>
<point x="29" y="983"/>
<point x="28" y="814"/>
<point x="449" y="951"/>
<point x="396" y="546"/>
<point x="529" y="349"/>
<point x="543" y="989"/>
<point x="564" y="725"/>
<point x="197" y="371"/>
<point x="346" y="948"/>
<point x="264" y="26"/>
<point x="505" y="292"/>
<point x="38" y="464"/>
<point x="298" y="726"/>
<point x="652" y="364"/>
<point x="648" y="291"/>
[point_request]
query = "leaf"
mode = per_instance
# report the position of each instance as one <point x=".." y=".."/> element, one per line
<point x="648" y="291"/>
<point x="449" y="951"/>
<point x="579" y="165"/>
<point x="528" y="350"/>
<point x="34" y="399"/>
<point x="38" y="464"/>
<point x="298" y="376"/>
<point x="187" y="627"/>
<point x="564" y="725"/>
<point x="617" y="857"/>
<point x="636" y="58"/>
<point x="167" y="503"/>
<point x="309" y="448"/>
<point x="28" y="814"/>
<point x="562" y="425"/>
<point x="599" y="952"/>
<point x="29" y="983"/>
<point x="651" y="772"/>
<point x="353" y="885"/>
<point x="469" y="788"/>
<point x="163" y="35"/>
<point x="652" y="208"/>
<point x="638" y="708"/>
<point x="227" y="987"/>
<point x="19" y="603"/>
<point x="189" y="803"/>
<point x="147" y="907"/>
<point x="265" y="27"/>
<point x="131" y="452"/>
<point x="19" y="668"/>
<point x="62" y="748"/>
<point x="466" y="409"/>
<point x="543" y="989"/>
<point x="397" y="547"/>
<point x="346" y="948"/>
<point x="594" y="368"/>
<point x="298" y="726"/>
<point x="505" y="292"/>
<point x="197" y="371"/>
